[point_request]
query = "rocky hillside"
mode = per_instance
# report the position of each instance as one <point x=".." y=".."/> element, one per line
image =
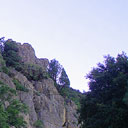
<point x="46" y="107"/>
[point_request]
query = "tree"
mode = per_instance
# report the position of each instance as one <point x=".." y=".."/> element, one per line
<point x="104" y="105"/>
<point x="54" y="70"/>
<point x="2" y="44"/>
<point x="10" y="53"/>
<point x="10" y="115"/>
<point x="64" y="80"/>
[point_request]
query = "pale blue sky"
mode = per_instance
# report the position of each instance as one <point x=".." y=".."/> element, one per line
<point x="78" y="33"/>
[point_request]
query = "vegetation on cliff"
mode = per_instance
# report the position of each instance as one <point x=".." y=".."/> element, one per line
<point x="34" y="72"/>
<point x="10" y="54"/>
<point x="10" y="108"/>
<point x="62" y="82"/>
<point x="9" y="51"/>
<point x="10" y="61"/>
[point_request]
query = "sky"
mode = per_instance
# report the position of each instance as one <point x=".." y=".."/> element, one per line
<point x="77" y="33"/>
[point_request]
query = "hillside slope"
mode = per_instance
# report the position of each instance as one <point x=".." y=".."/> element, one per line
<point x="47" y="108"/>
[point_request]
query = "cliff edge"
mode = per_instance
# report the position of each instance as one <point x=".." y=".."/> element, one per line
<point x="42" y="98"/>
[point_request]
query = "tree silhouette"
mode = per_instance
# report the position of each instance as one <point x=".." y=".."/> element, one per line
<point x="105" y="105"/>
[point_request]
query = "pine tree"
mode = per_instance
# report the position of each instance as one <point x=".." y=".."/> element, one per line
<point x="54" y="70"/>
<point x="64" y="80"/>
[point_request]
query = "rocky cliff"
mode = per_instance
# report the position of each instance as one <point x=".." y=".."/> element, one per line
<point x="42" y="98"/>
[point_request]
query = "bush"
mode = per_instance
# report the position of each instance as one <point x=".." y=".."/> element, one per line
<point x="37" y="93"/>
<point x="3" y="118"/>
<point x="1" y="83"/>
<point x="34" y="72"/>
<point x="2" y="62"/>
<point x="10" y="114"/>
<point x="71" y="94"/>
<point x="19" y="86"/>
<point x="38" y="124"/>
<point x="13" y="110"/>
<point x="5" y="70"/>
<point x="6" y="92"/>
<point x="10" y="54"/>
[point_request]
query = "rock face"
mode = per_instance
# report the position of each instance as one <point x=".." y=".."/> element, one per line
<point x="49" y="105"/>
<point x="43" y="99"/>
<point x="27" y="54"/>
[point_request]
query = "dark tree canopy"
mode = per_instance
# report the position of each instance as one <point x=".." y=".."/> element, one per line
<point x="64" y="80"/>
<point x="10" y="53"/>
<point x="54" y="70"/>
<point x="58" y="73"/>
<point x="105" y="105"/>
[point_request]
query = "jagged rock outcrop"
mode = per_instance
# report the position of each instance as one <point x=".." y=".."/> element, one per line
<point x="26" y="97"/>
<point x="42" y="98"/>
<point x="49" y="105"/>
<point x="27" y="54"/>
<point x="6" y="79"/>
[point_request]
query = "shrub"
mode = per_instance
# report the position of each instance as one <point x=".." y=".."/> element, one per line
<point x="1" y="83"/>
<point x="38" y="124"/>
<point x="19" y="86"/>
<point x="10" y="54"/>
<point x="37" y="93"/>
<point x="6" y="92"/>
<point x="5" y="70"/>
<point x="10" y="114"/>
<point x="34" y="72"/>
<point x="2" y="62"/>
<point x="13" y="110"/>
<point x="3" y="118"/>
<point x="71" y="94"/>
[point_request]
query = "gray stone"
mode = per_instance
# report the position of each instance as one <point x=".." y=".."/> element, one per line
<point x="43" y="99"/>
<point x="6" y="80"/>
<point x="27" y="53"/>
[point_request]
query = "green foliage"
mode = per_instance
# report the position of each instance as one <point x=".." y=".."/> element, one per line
<point x="1" y="83"/>
<point x="10" y="53"/>
<point x="19" y="86"/>
<point x="125" y="99"/>
<point x="3" y="118"/>
<point x="13" y="110"/>
<point x="34" y="72"/>
<point x="54" y="70"/>
<point x="5" y="70"/>
<point x="71" y="94"/>
<point x="37" y="93"/>
<point x="64" y="80"/>
<point x="2" y="62"/>
<point x="3" y="67"/>
<point x="104" y="105"/>
<point x="38" y="124"/>
<point x="10" y="114"/>
<point x="6" y="92"/>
